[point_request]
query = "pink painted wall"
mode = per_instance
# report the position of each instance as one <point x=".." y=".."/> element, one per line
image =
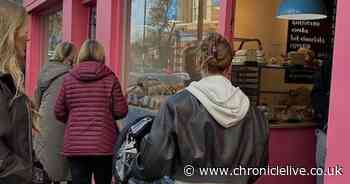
<point x="110" y="26"/>
<point x="34" y="45"/>
<point x="287" y="147"/>
<point x="339" y="126"/>
<point x="33" y="60"/>
<point x="227" y="10"/>
<point x="75" y="22"/>
<point x="75" y="30"/>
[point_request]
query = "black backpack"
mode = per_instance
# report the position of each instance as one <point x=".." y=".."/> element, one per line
<point x="127" y="147"/>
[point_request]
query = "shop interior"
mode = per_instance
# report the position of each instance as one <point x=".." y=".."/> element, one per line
<point x="285" y="55"/>
<point x="276" y="64"/>
<point x="275" y="60"/>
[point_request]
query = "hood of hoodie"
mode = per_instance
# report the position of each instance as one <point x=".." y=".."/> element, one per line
<point x="50" y="71"/>
<point x="91" y="71"/>
<point x="227" y="104"/>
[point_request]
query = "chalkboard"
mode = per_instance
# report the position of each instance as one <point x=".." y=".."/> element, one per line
<point x="317" y="35"/>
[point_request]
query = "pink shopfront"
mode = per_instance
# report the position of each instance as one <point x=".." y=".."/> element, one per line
<point x="147" y="37"/>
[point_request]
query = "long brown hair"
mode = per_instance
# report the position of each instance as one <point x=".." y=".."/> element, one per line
<point x="12" y="20"/>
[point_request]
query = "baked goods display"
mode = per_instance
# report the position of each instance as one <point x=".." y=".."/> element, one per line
<point x="283" y="113"/>
<point x="151" y="93"/>
<point x="249" y="56"/>
<point x="302" y="57"/>
<point x="296" y="108"/>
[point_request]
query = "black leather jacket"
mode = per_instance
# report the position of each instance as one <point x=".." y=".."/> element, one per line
<point x="184" y="133"/>
<point x="15" y="136"/>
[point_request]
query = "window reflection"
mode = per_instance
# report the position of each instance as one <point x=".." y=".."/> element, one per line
<point x="160" y="32"/>
<point x="52" y="33"/>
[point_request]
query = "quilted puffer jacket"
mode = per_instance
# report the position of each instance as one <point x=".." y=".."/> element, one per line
<point x="89" y="102"/>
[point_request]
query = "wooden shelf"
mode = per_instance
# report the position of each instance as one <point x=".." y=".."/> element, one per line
<point x="276" y="92"/>
<point x="281" y="125"/>
<point x="269" y="66"/>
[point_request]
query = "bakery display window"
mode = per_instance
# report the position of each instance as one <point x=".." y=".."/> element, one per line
<point x="161" y="30"/>
<point x="280" y="64"/>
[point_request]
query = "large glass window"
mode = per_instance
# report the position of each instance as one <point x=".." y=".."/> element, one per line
<point x="160" y="31"/>
<point x="92" y="23"/>
<point x="52" y="34"/>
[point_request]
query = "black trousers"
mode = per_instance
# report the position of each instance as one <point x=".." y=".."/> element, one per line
<point x="82" y="168"/>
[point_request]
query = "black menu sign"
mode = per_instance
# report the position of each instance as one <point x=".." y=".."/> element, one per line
<point x="316" y="35"/>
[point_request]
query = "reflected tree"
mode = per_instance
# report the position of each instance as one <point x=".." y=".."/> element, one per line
<point x="155" y="47"/>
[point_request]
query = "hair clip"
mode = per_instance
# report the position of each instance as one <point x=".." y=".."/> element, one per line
<point x="212" y="50"/>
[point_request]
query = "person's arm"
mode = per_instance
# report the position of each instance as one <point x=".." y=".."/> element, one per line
<point x="120" y="106"/>
<point x="11" y="165"/>
<point x="157" y="150"/>
<point x="61" y="110"/>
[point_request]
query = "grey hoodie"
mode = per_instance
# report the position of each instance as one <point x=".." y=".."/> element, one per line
<point x="226" y="103"/>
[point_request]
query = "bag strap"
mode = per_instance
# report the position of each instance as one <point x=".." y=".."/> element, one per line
<point x="42" y="89"/>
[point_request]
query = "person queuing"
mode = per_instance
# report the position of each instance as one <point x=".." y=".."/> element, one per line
<point x="18" y="113"/>
<point x="210" y="124"/>
<point x="320" y="96"/>
<point x="89" y="102"/>
<point x="49" y="141"/>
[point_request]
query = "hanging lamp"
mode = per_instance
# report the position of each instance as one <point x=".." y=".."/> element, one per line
<point x="302" y="10"/>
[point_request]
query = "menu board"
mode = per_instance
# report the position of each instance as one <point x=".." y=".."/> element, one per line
<point x="316" y="34"/>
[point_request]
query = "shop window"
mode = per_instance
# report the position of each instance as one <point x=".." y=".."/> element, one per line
<point x="281" y="64"/>
<point x="92" y="23"/>
<point x="160" y="31"/>
<point x="52" y="34"/>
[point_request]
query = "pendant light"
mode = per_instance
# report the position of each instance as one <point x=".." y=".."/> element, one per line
<point x="302" y="10"/>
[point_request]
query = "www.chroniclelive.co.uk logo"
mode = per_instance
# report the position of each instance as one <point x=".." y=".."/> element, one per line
<point x="190" y="170"/>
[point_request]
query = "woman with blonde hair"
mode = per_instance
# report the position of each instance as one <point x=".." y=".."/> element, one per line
<point x="89" y="103"/>
<point x="48" y="143"/>
<point x="18" y="114"/>
<point x="210" y="124"/>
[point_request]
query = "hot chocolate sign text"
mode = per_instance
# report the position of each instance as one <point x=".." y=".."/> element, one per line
<point x="316" y="34"/>
<point x="309" y="34"/>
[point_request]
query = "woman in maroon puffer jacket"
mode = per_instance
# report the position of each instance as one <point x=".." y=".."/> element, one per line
<point x="89" y="102"/>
